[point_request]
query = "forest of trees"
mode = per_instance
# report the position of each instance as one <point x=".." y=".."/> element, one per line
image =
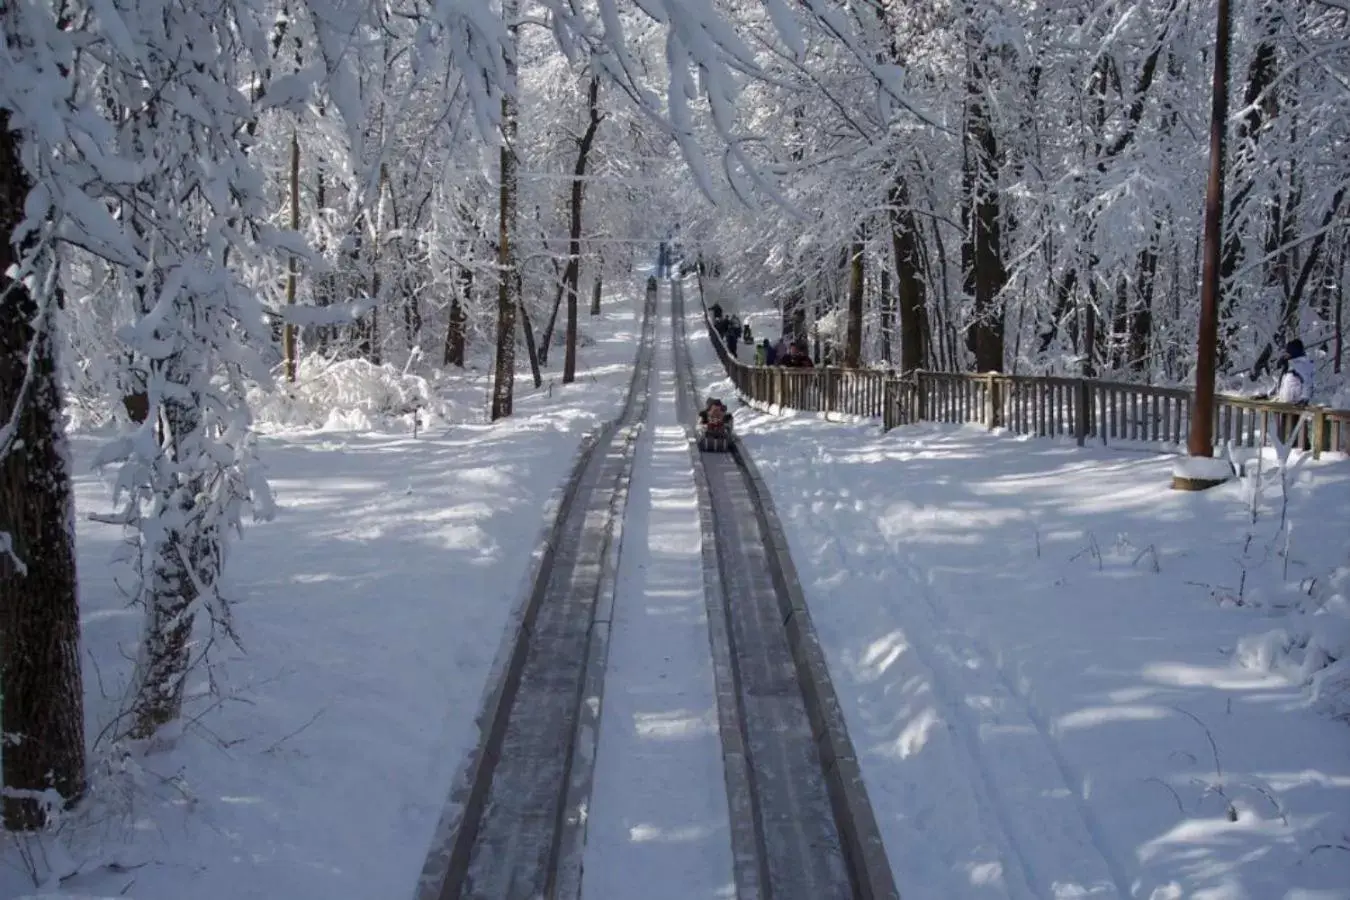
<point x="199" y="204"/>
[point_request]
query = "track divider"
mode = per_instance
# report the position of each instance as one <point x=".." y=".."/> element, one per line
<point x="446" y="868"/>
<point x="869" y="869"/>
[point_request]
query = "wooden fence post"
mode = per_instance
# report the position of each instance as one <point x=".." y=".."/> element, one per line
<point x="993" y="402"/>
<point x="1082" y="390"/>
<point x="887" y="403"/>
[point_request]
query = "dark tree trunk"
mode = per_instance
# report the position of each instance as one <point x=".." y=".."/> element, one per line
<point x="186" y="562"/>
<point x="595" y="293"/>
<point x="531" y="348"/>
<point x="454" y="332"/>
<point x="911" y="288"/>
<point x="43" y="717"/>
<point x="323" y="282"/>
<point x="508" y="291"/>
<point x="1141" y="319"/>
<point x="887" y="314"/>
<point x="985" y="275"/>
<point x="1340" y="308"/>
<point x="547" y="341"/>
<point x="853" y="333"/>
<point x="573" y="271"/>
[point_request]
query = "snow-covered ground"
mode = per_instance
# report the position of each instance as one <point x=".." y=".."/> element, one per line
<point x="1053" y="666"/>
<point x="658" y="817"/>
<point x="369" y="611"/>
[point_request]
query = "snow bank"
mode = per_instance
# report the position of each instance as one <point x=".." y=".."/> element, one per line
<point x="368" y="611"/>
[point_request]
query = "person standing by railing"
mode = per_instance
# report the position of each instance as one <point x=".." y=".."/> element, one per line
<point x="1294" y="385"/>
<point x="1296" y="375"/>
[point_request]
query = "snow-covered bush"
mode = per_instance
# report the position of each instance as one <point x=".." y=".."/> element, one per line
<point x="1315" y="644"/>
<point x="349" y="395"/>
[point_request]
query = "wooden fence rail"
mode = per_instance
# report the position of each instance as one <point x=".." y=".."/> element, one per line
<point x="1044" y="406"/>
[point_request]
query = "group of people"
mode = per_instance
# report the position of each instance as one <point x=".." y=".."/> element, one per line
<point x="791" y="354"/>
<point x="730" y="329"/>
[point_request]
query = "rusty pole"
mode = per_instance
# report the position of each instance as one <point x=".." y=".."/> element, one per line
<point x="1201" y="442"/>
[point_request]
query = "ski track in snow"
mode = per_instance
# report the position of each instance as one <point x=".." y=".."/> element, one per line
<point x="1048" y="850"/>
<point x="658" y="823"/>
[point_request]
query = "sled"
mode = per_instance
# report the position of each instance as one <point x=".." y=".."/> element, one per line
<point x="714" y="441"/>
<point x="714" y="428"/>
<point x="714" y="438"/>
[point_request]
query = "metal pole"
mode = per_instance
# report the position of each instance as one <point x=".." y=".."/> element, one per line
<point x="1201" y="442"/>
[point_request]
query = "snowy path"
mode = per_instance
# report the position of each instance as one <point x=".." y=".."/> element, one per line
<point x="658" y="826"/>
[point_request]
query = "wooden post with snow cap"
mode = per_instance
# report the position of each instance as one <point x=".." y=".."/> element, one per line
<point x="1201" y="471"/>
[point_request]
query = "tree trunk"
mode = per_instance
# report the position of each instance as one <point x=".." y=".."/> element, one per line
<point x="552" y="316"/>
<point x="1340" y="308"/>
<point x="854" y="330"/>
<point x="887" y="314"/>
<point x="288" y="330"/>
<point x="531" y="347"/>
<point x="43" y="716"/>
<point x="184" y="562"/>
<point x="573" y="271"/>
<point x="454" y="332"/>
<point x="508" y="291"/>
<point x="910" y="287"/>
<point x="595" y="293"/>
<point x="1141" y="319"/>
<point x="323" y="282"/>
<point x="982" y="255"/>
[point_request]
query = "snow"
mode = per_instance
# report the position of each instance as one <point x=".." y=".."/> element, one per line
<point x="369" y="611"/>
<point x="1053" y="666"/>
<point x="659" y="808"/>
<point x="1203" y="468"/>
<point x="1062" y="678"/>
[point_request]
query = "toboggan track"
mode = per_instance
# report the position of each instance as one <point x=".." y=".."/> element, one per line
<point x="801" y="824"/>
<point x="514" y="826"/>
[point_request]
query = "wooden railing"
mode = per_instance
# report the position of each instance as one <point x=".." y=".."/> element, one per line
<point x="1082" y="408"/>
